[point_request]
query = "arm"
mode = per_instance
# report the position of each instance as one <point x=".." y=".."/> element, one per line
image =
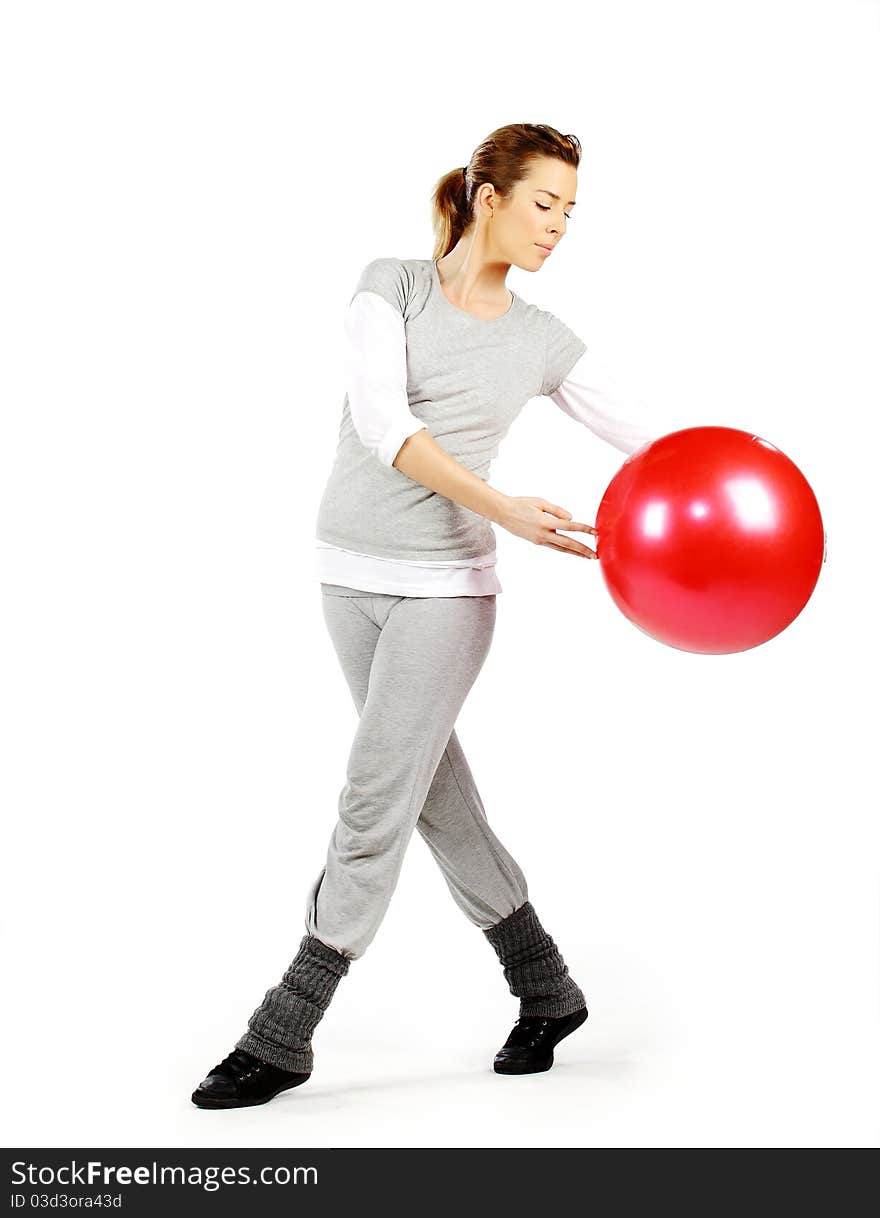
<point x="375" y="373"/>
<point x="375" y="359"/>
<point x="531" y="517"/>
<point x="582" y="386"/>
<point x="424" y="460"/>
<point x="590" y="395"/>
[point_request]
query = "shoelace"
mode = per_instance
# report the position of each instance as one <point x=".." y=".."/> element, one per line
<point x="238" y="1065"/>
<point x="528" y="1031"/>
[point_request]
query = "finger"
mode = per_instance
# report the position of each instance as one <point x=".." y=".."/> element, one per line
<point x="572" y="547"/>
<point x="555" y="509"/>
<point x="575" y="526"/>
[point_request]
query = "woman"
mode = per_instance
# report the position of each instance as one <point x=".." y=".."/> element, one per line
<point x="441" y="357"/>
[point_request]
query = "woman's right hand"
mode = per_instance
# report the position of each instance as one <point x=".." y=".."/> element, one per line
<point x="537" y="520"/>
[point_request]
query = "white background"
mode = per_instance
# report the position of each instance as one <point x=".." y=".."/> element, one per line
<point x="191" y="193"/>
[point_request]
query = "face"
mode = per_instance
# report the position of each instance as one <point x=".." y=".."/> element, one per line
<point x="536" y="213"/>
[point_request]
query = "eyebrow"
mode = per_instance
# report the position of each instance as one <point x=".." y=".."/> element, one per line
<point x="540" y="189"/>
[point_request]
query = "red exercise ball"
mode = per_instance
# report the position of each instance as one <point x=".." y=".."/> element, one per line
<point x="710" y="540"/>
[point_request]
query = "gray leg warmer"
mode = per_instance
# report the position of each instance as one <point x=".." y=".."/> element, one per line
<point x="533" y="967"/>
<point x="280" y="1029"/>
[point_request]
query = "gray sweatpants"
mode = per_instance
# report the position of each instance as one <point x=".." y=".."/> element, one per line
<point x="409" y="663"/>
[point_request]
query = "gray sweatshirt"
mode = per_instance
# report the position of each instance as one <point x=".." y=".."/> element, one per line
<point x="467" y="380"/>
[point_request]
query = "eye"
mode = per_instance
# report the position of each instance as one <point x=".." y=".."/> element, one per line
<point x="543" y="208"/>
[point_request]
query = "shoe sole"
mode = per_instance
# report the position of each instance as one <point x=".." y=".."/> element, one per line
<point x="525" y="1068"/>
<point x="207" y="1101"/>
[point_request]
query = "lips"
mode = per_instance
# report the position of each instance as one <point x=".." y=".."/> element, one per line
<point x="541" y="246"/>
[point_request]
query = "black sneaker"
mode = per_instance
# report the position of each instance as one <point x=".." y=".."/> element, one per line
<point x="529" y="1047"/>
<point x="241" y="1080"/>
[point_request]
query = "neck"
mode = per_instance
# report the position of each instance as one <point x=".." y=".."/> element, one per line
<point x="471" y="276"/>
